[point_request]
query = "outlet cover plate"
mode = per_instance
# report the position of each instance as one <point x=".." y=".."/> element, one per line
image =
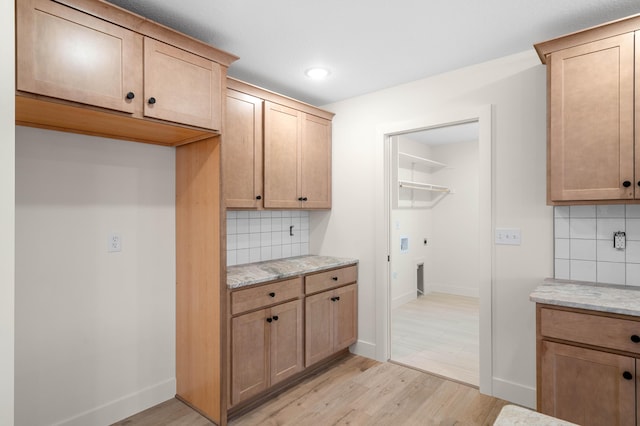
<point x="114" y="243"/>
<point x="508" y="236"/>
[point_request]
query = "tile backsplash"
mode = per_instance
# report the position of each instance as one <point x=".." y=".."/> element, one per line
<point x="254" y="236"/>
<point x="584" y="250"/>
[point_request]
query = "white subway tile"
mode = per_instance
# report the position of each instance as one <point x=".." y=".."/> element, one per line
<point x="582" y="211"/>
<point x="607" y="253"/>
<point x="296" y="236"/>
<point x="633" y="274"/>
<point x="231" y="257"/>
<point x="582" y="228"/>
<point x="276" y="224"/>
<point x="295" y="213"/>
<point x="583" y="270"/>
<point x="304" y="223"/>
<point x="242" y="256"/>
<point x="562" y="269"/>
<point x="265" y="253"/>
<point x="632" y="229"/>
<point x="611" y="273"/>
<point x="286" y="250"/>
<point x="606" y="228"/>
<point x="295" y="249"/>
<point x="304" y="213"/>
<point x="285" y="238"/>
<point x="242" y="241"/>
<point x="254" y="214"/>
<point x="276" y="252"/>
<point x="266" y="214"/>
<point x="583" y="249"/>
<point x="295" y="221"/>
<point x="276" y="238"/>
<point x="633" y="211"/>
<point x="561" y="227"/>
<point x="304" y="237"/>
<point x="286" y="213"/>
<point x="254" y="240"/>
<point x="232" y="242"/>
<point x="254" y="225"/>
<point x="232" y="214"/>
<point x="231" y="226"/>
<point x="632" y="252"/>
<point x="265" y="240"/>
<point x="562" y="248"/>
<point x="561" y="211"/>
<point x="242" y="226"/>
<point x="265" y="224"/>
<point x="304" y="249"/>
<point x="254" y="254"/>
<point x="610" y="211"/>
<point x="276" y="213"/>
<point x="242" y="214"/>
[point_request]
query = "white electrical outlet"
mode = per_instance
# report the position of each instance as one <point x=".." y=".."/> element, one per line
<point x="114" y="242"/>
<point x="508" y="236"/>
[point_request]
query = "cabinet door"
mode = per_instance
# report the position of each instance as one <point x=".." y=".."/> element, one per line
<point x="66" y="54"/>
<point x="181" y="87"/>
<point x="318" y="327"/>
<point x="315" y="168"/>
<point x="591" y="117"/>
<point x="249" y="355"/>
<point x="242" y="151"/>
<point x="587" y="387"/>
<point x="286" y="340"/>
<point x="282" y="128"/>
<point x="345" y="316"/>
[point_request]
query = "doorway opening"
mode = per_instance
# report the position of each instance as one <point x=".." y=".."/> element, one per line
<point x="436" y="283"/>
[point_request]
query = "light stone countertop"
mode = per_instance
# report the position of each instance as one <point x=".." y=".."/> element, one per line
<point x="514" y="415"/>
<point x="597" y="297"/>
<point x="270" y="270"/>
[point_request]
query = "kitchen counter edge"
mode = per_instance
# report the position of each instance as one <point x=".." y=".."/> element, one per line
<point x="239" y="276"/>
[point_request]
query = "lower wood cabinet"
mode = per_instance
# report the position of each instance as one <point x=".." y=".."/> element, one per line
<point x="587" y="366"/>
<point x="277" y="330"/>
<point x="266" y="348"/>
<point x="330" y="322"/>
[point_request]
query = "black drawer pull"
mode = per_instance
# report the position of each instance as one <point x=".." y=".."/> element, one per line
<point x="635" y="338"/>
<point x="626" y="184"/>
<point x="152" y="101"/>
<point x="258" y="197"/>
<point x="131" y="95"/>
<point x="269" y="319"/>
<point x="335" y="299"/>
<point x="627" y="375"/>
<point x="334" y="278"/>
<point x="272" y="294"/>
<point x="275" y="318"/>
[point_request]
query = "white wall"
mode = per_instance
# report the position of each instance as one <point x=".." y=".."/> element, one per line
<point x="516" y="86"/>
<point x="95" y="331"/>
<point x="453" y="265"/>
<point x="7" y="146"/>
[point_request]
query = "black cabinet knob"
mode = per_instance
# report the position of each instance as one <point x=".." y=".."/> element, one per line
<point x="337" y="297"/>
<point x="627" y="375"/>
<point x="334" y="278"/>
<point x="131" y="95"/>
<point x="635" y="338"/>
<point x="275" y="318"/>
<point x="626" y="184"/>
<point x="272" y="294"/>
<point x="304" y="198"/>
<point x="299" y="198"/>
<point x="333" y="299"/>
<point x="258" y="197"/>
<point x="269" y="319"/>
<point x="152" y="101"/>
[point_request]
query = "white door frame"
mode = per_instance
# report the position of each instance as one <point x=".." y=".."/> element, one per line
<point x="486" y="181"/>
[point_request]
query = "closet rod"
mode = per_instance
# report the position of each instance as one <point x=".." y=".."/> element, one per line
<point x="424" y="187"/>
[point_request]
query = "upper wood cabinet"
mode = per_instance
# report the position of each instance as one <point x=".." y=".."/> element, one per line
<point x="591" y="101"/>
<point x="294" y="151"/>
<point x="90" y="67"/>
<point x="242" y="165"/>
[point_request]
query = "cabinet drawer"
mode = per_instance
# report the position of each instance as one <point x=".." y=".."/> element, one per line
<point x="330" y="279"/>
<point x="265" y="295"/>
<point x="612" y="333"/>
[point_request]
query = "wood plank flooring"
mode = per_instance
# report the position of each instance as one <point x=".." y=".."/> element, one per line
<point x="438" y="333"/>
<point x="354" y="391"/>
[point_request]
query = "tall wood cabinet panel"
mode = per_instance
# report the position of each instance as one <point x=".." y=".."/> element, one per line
<point x="67" y="54"/>
<point x="282" y="132"/>
<point x="180" y="86"/>
<point x="315" y="162"/>
<point x="591" y="103"/>
<point x="242" y="151"/>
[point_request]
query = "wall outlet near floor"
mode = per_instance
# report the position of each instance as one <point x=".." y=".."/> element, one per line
<point x="508" y="236"/>
<point x="114" y="242"/>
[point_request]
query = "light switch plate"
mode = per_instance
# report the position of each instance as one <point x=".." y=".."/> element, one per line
<point x="508" y="236"/>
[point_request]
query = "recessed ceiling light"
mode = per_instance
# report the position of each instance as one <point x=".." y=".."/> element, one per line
<point x="317" y="73"/>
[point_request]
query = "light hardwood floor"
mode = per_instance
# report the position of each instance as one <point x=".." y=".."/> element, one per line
<point x="438" y="333"/>
<point x="354" y="391"/>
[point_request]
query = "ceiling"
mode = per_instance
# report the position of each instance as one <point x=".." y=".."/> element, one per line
<point x="370" y="45"/>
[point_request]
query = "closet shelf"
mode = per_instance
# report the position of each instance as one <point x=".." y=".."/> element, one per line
<point x="423" y="186"/>
<point x="424" y="161"/>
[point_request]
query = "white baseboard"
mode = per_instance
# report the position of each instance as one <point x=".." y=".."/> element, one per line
<point x="514" y="392"/>
<point x="405" y="298"/>
<point x="365" y="349"/>
<point x="451" y="289"/>
<point x="125" y="406"/>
